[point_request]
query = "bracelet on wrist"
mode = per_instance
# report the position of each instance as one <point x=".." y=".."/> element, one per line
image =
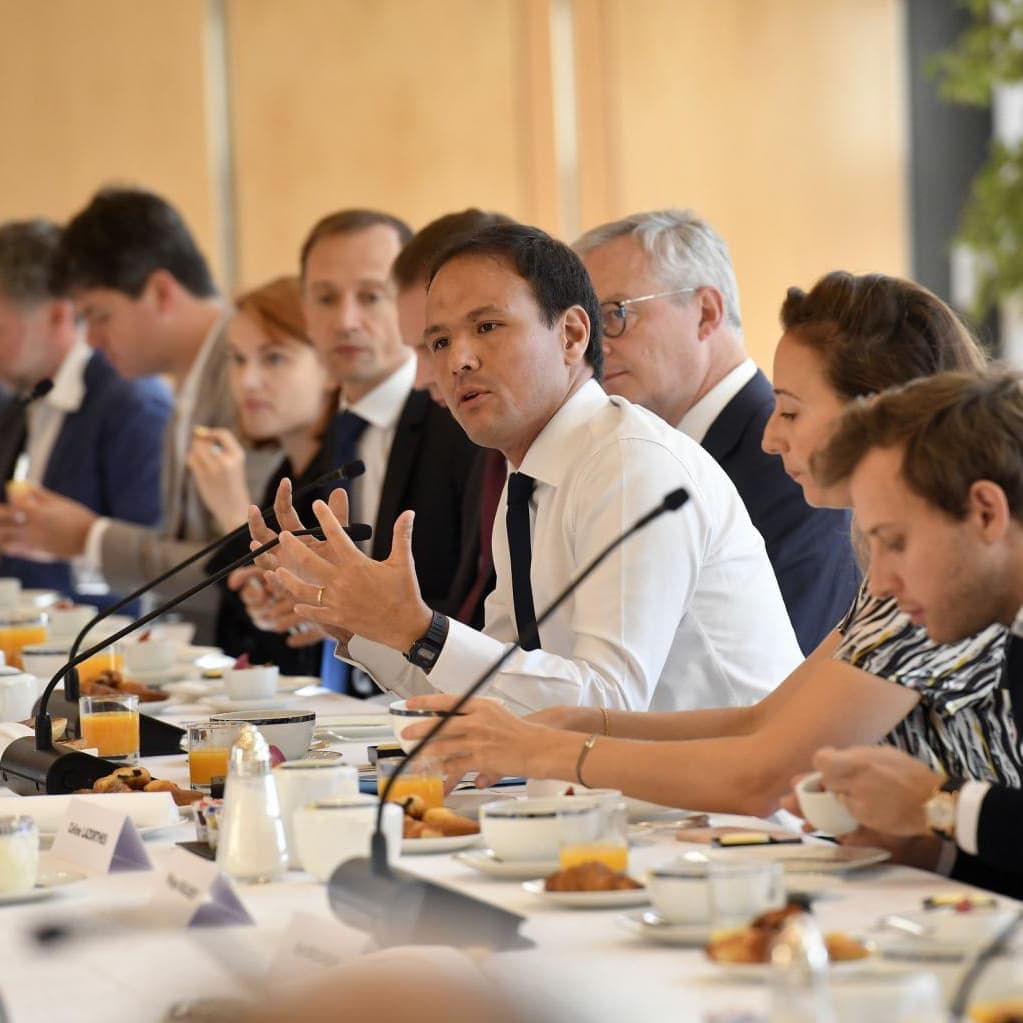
<point x="588" y="745"/>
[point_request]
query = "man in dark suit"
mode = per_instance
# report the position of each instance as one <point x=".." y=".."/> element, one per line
<point x="936" y="475"/>
<point x="673" y="344"/>
<point x="416" y="456"/>
<point x="95" y="437"/>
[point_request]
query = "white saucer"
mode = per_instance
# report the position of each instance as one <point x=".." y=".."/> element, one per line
<point x="154" y="708"/>
<point x="194" y="688"/>
<point x="355" y="726"/>
<point x="761" y="972"/>
<point x="49" y="882"/>
<point x="159" y="677"/>
<point x="445" y="844"/>
<point x="650" y="924"/>
<point x="486" y="862"/>
<point x="292" y="683"/>
<point x="223" y="704"/>
<point x="38" y="598"/>
<point x="589" y="900"/>
<point x="191" y="653"/>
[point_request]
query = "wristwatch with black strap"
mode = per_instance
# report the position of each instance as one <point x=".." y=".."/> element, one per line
<point x="424" y="651"/>
<point x="940" y="809"/>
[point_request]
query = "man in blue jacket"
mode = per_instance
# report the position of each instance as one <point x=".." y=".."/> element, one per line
<point x="673" y="343"/>
<point x="95" y="437"/>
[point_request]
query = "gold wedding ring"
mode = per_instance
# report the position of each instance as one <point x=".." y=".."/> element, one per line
<point x="319" y="596"/>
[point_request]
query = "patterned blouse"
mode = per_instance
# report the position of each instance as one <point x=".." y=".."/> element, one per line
<point x="964" y="723"/>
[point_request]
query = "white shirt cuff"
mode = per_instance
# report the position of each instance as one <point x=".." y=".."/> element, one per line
<point x="946" y="859"/>
<point x="971" y="798"/>
<point x="90" y="564"/>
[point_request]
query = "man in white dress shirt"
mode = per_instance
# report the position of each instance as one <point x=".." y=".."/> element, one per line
<point x="673" y="343"/>
<point x="687" y="614"/>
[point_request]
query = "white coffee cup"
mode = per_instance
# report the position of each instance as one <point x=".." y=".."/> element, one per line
<point x="331" y="831"/>
<point x="256" y="683"/>
<point x="300" y="782"/>
<point x="18" y="691"/>
<point x="822" y="808"/>
<point x="10" y="592"/>
<point x="680" y="892"/>
<point x="149" y="655"/>
<point x="64" y="623"/>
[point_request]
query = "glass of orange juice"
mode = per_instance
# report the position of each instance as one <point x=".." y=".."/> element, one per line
<point x="110" y="659"/>
<point x="20" y="629"/>
<point x="110" y="724"/>
<point x="209" y="749"/>
<point x="421" y="778"/>
<point x="597" y="830"/>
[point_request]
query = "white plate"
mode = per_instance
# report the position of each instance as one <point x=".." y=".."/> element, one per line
<point x="954" y="936"/>
<point x="810" y="857"/>
<point x="760" y="972"/>
<point x="445" y="844"/>
<point x="38" y="598"/>
<point x="223" y="704"/>
<point x="192" y="653"/>
<point x="194" y="688"/>
<point x="589" y="900"/>
<point x="154" y="708"/>
<point x="48" y="883"/>
<point x="650" y="925"/>
<point x="159" y="677"/>
<point x="486" y="862"/>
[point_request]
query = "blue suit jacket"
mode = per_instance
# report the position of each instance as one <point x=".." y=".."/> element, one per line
<point x="107" y="456"/>
<point x="810" y="548"/>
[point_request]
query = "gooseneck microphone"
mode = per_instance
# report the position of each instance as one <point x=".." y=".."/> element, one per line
<point x="41" y="389"/>
<point x="398" y="907"/>
<point x="32" y="764"/>
<point x="349" y="471"/>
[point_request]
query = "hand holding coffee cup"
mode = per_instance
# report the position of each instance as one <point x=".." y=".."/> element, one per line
<point x="822" y="808"/>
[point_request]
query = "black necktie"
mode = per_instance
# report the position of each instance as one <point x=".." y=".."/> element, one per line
<point x="12" y="438"/>
<point x="520" y="489"/>
<point x="346" y="429"/>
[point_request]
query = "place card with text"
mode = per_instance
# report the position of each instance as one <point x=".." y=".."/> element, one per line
<point x="189" y="891"/>
<point x="311" y="945"/>
<point x="99" y="840"/>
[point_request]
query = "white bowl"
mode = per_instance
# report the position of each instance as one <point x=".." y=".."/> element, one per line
<point x="680" y="892"/>
<point x="822" y="808"/>
<point x="64" y="622"/>
<point x="402" y="717"/>
<point x="332" y="831"/>
<point x="291" y="731"/>
<point x="43" y="660"/>
<point x="535" y="829"/>
<point x="148" y="655"/>
<point x="179" y="633"/>
<point x="256" y="683"/>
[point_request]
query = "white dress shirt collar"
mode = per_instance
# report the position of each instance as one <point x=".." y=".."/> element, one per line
<point x="189" y="388"/>
<point x="549" y="456"/>
<point x="1017" y="626"/>
<point x="383" y="405"/>
<point x="698" y="420"/>
<point x="69" y="381"/>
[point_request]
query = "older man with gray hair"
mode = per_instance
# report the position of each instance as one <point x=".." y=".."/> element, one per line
<point x="673" y="343"/>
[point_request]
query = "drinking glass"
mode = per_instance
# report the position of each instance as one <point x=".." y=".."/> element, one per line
<point x="421" y="778"/>
<point x="20" y="629"/>
<point x="741" y="890"/>
<point x="19" y="854"/>
<point x="596" y="831"/>
<point x="209" y="749"/>
<point x="110" y="724"/>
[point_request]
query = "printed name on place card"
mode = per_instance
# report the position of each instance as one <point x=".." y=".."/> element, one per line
<point x="192" y="892"/>
<point x="311" y="945"/>
<point x="98" y="839"/>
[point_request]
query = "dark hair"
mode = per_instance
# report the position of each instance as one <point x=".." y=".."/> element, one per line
<point x="121" y="238"/>
<point x="554" y="273"/>
<point x="413" y="263"/>
<point x="349" y="222"/>
<point x="27" y="251"/>
<point x="954" y="428"/>
<point x="875" y="332"/>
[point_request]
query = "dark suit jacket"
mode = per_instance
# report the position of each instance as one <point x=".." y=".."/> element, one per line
<point x="430" y="470"/>
<point x="810" y="548"/>
<point x="107" y="456"/>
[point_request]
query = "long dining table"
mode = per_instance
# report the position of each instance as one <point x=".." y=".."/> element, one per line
<point x="104" y="962"/>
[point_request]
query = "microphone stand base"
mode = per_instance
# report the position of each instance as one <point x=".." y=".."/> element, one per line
<point x="32" y="772"/>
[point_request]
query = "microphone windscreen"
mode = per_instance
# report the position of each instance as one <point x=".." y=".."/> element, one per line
<point x="675" y="500"/>
<point x="359" y="531"/>
<point x="40" y="390"/>
<point x="352" y="470"/>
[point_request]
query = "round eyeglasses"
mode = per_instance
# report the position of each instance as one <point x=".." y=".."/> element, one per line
<point x="614" y="314"/>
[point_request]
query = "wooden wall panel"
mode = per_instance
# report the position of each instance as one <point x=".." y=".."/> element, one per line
<point x="781" y="121"/>
<point x="418" y="107"/>
<point x="99" y="91"/>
